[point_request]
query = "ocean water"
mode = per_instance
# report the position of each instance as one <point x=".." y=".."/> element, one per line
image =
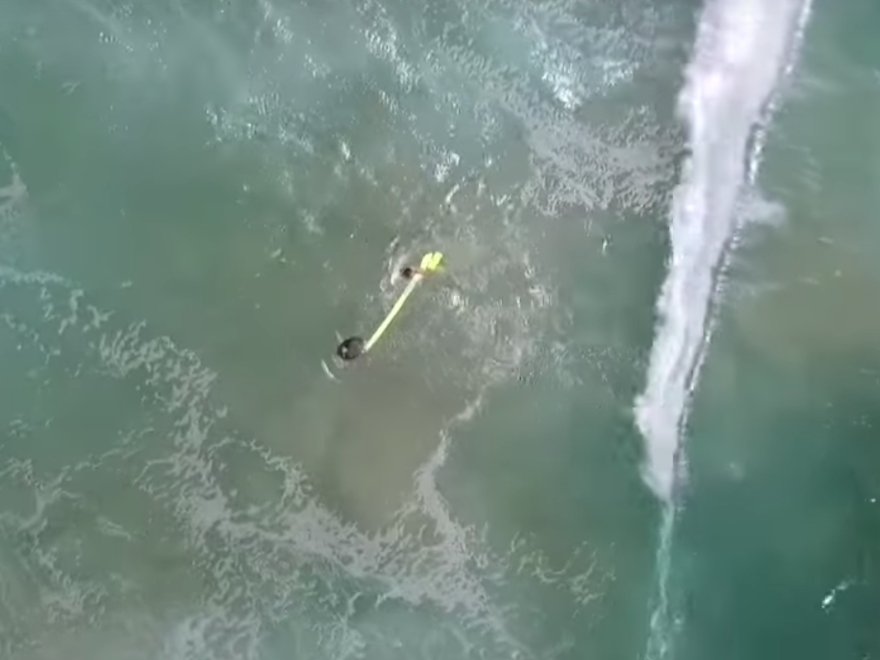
<point x="635" y="418"/>
<point x="775" y="547"/>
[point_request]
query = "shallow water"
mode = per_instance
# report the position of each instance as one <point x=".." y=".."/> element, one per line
<point x="542" y="459"/>
<point x="202" y="201"/>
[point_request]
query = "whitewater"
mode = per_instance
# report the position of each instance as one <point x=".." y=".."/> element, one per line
<point x="742" y="55"/>
<point x="742" y="49"/>
<point x="194" y="199"/>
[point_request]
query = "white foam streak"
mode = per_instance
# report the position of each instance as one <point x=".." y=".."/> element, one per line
<point x="743" y="48"/>
<point x="741" y="51"/>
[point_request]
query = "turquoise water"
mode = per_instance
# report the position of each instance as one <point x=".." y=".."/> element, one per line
<point x="545" y="458"/>
<point x="777" y="549"/>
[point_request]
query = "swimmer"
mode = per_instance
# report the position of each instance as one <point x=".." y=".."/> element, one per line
<point x="354" y="347"/>
<point x="409" y="272"/>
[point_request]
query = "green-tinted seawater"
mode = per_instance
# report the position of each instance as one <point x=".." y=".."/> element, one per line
<point x="198" y="201"/>
<point x="777" y="552"/>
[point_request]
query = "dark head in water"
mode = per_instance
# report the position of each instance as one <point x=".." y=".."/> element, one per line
<point x="408" y="272"/>
<point x="353" y="347"/>
<point x="350" y="349"/>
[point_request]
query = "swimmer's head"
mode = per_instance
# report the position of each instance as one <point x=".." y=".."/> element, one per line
<point x="350" y="349"/>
